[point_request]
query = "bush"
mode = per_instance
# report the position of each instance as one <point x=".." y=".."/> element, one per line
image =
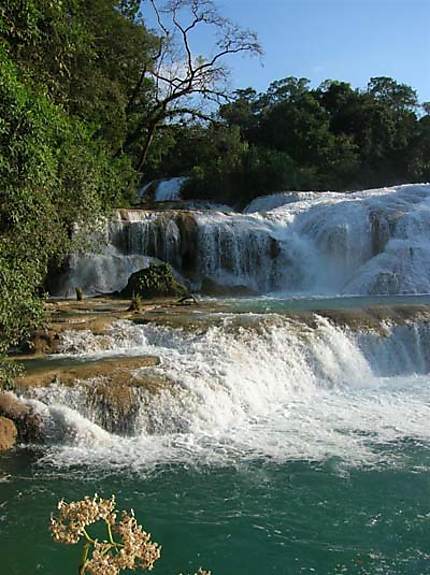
<point x="57" y="182"/>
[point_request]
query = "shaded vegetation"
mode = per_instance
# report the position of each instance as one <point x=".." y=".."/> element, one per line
<point x="295" y="137"/>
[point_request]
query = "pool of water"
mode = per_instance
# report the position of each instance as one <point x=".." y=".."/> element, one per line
<point x="253" y="518"/>
<point x="279" y="304"/>
<point x="283" y="450"/>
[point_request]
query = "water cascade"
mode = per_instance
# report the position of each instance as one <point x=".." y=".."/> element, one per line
<point x="267" y="433"/>
<point x="279" y="390"/>
<point x="369" y="242"/>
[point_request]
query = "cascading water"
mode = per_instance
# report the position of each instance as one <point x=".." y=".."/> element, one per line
<point x="279" y="391"/>
<point x="370" y="242"/>
<point x="268" y="438"/>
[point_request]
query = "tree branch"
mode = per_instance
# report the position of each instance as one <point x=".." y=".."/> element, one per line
<point x="179" y="76"/>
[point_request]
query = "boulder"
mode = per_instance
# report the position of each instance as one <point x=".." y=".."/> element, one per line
<point x="27" y="423"/>
<point x="157" y="280"/>
<point x="43" y="341"/>
<point x="8" y="433"/>
<point x="11" y="407"/>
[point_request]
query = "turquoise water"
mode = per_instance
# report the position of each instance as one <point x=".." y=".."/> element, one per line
<point x="284" y="449"/>
<point x="251" y="519"/>
<point x="278" y="304"/>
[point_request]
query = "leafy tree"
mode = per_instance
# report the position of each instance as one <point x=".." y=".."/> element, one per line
<point x="331" y="137"/>
<point x="56" y="182"/>
<point x="397" y="96"/>
<point x="219" y="168"/>
<point x="87" y="55"/>
<point x="243" y="111"/>
<point x="418" y="156"/>
<point x="183" y="82"/>
<point x="232" y="171"/>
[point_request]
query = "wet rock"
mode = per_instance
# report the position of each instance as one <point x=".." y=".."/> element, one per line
<point x="68" y="375"/>
<point x="12" y="407"/>
<point x="8" y="433"/>
<point x="110" y="386"/>
<point x="380" y="230"/>
<point x="211" y="287"/>
<point x="30" y="428"/>
<point x="386" y="283"/>
<point x="113" y="400"/>
<point x="116" y="399"/>
<point x="274" y="248"/>
<point x="44" y="341"/>
<point x="189" y="249"/>
<point x="28" y="423"/>
<point x="158" y="280"/>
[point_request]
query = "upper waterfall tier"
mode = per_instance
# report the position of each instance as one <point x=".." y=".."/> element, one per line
<point x="368" y="242"/>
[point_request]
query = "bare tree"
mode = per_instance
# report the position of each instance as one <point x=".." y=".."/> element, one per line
<point x="181" y="82"/>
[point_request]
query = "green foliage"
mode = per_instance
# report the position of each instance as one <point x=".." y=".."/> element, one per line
<point x="67" y="72"/>
<point x="238" y="178"/>
<point x="418" y="157"/>
<point x="396" y="96"/>
<point x="57" y="182"/>
<point x="296" y="137"/>
<point x="88" y="56"/>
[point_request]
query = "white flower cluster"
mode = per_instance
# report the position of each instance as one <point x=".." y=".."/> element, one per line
<point x="134" y="550"/>
<point x="74" y="517"/>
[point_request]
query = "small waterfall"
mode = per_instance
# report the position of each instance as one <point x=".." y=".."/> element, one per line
<point x="278" y="390"/>
<point x="165" y="190"/>
<point x="370" y="242"/>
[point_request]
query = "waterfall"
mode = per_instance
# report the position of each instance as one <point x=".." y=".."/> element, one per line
<point x="369" y="242"/>
<point x="165" y="190"/>
<point x="278" y="389"/>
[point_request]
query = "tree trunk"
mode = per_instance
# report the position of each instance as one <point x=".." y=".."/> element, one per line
<point x="146" y="147"/>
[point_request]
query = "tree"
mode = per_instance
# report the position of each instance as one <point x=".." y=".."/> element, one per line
<point x="289" y="89"/>
<point x="57" y="180"/>
<point x="400" y="97"/>
<point x="87" y="56"/>
<point x="330" y="137"/>
<point x="243" y="110"/>
<point x="182" y="81"/>
<point x="293" y="121"/>
<point x="418" y="153"/>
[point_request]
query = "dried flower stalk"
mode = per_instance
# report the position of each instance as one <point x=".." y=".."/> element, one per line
<point x="133" y="548"/>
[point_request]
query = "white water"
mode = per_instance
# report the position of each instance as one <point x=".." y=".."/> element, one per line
<point x="166" y="190"/>
<point x="278" y="391"/>
<point x="370" y="242"/>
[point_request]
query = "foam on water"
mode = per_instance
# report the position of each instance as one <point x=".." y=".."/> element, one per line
<point x="363" y="243"/>
<point x="280" y="391"/>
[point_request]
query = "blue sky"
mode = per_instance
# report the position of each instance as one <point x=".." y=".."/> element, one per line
<point x="348" y="40"/>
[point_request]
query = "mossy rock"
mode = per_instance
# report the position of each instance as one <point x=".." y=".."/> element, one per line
<point x="158" y="280"/>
